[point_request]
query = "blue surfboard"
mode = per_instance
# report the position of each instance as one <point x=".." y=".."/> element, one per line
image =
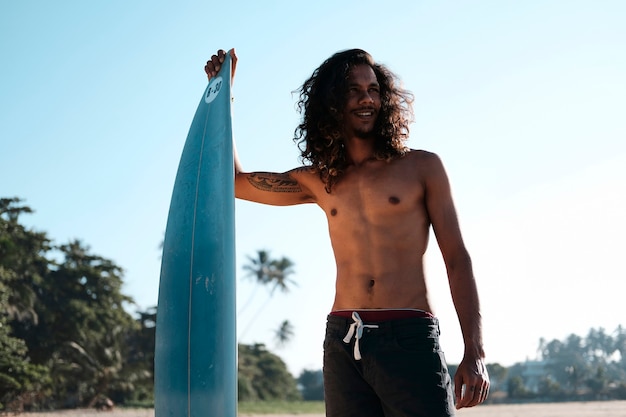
<point x="196" y="344"/>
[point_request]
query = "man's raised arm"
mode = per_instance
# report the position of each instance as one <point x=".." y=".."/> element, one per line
<point x="280" y="189"/>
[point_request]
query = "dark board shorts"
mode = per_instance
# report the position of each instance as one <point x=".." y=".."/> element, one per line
<point x="401" y="370"/>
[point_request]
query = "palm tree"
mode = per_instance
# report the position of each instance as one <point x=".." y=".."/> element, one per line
<point x="258" y="269"/>
<point x="280" y="269"/>
<point x="284" y="333"/>
<point x="268" y="271"/>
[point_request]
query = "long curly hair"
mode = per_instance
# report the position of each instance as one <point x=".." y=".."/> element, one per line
<point x="322" y="99"/>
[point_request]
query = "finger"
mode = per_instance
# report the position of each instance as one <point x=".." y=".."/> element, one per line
<point x="462" y="397"/>
<point x="458" y="390"/>
<point x="216" y="60"/>
<point x="208" y="68"/>
<point x="480" y="394"/>
<point x="485" y="392"/>
<point x="469" y="396"/>
<point x="213" y="65"/>
<point x="472" y="396"/>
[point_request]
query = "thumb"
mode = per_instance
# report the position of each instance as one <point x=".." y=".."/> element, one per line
<point x="233" y="59"/>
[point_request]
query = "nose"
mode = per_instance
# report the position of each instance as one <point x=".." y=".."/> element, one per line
<point x="365" y="98"/>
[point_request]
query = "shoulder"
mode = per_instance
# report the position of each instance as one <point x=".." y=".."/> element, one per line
<point x="427" y="163"/>
<point x="302" y="171"/>
<point x="421" y="155"/>
<point x="308" y="177"/>
<point x="305" y="175"/>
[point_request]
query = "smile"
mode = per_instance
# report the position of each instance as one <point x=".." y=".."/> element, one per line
<point x="364" y="113"/>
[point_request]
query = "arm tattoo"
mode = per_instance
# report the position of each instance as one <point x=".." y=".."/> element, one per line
<point x="277" y="183"/>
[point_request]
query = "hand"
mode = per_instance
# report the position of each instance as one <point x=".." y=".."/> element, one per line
<point x="471" y="382"/>
<point x="214" y="64"/>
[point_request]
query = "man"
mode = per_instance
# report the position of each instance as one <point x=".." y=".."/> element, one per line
<point x="381" y="351"/>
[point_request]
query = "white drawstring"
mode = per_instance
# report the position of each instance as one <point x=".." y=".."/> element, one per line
<point x="357" y="327"/>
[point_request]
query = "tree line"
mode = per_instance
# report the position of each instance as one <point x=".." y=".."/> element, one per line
<point x="67" y="338"/>
<point x="591" y="367"/>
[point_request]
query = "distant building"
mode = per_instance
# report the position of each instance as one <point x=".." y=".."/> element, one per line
<point x="532" y="374"/>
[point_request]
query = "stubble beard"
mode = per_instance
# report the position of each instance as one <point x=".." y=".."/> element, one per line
<point x="365" y="133"/>
<point x="360" y="132"/>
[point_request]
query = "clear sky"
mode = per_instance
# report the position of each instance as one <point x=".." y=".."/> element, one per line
<point x="525" y="102"/>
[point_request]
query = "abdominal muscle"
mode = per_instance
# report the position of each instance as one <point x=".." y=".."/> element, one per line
<point x="371" y="277"/>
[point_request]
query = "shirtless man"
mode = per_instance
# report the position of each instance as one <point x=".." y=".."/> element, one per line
<point x="381" y="351"/>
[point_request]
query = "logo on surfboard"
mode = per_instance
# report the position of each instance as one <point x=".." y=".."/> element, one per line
<point x="214" y="88"/>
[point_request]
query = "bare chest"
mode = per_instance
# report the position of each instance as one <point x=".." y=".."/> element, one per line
<point x="382" y="194"/>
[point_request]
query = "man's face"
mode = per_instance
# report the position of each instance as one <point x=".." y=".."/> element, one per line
<point x="362" y="102"/>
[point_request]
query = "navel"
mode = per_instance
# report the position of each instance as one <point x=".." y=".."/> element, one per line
<point x="394" y="200"/>
<point x="370" y="287"/>
<point x="333" y="212"/>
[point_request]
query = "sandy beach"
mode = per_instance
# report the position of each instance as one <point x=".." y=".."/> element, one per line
<point x="575" y="409"/>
